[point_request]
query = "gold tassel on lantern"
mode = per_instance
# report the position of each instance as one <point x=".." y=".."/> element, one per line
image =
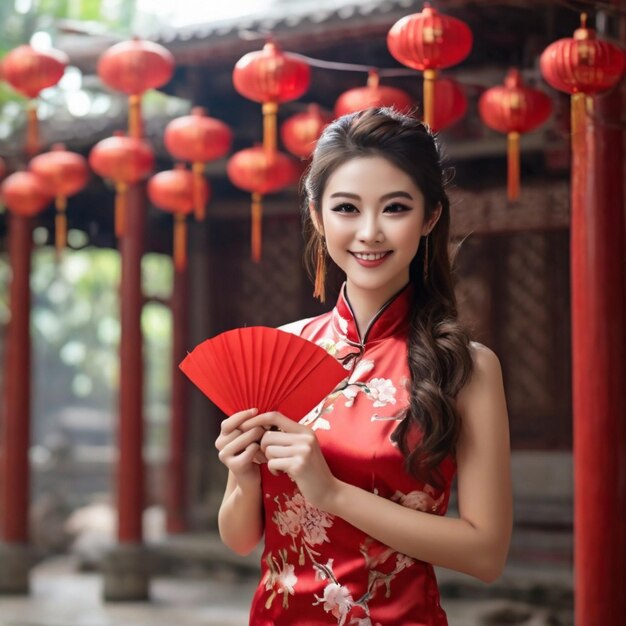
<point x="134" y="116"/>
<point x="180" y="241"/>
<point x="578" y="118"/>
<point x="430" y="76"/>
<point x="198" y="200"/>
<point x="60" y="224"/>
<point x="257" y="210"/>
<point x="32" y="129"/>
<point x="120" y="208"/>
<point x="513" y="165"/>
<point x="270" y="110"/>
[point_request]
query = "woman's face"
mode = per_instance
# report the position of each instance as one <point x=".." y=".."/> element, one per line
<point x="371" y="207"/>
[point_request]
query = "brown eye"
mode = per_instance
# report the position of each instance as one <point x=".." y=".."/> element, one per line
<point x="344" y="208"/>
<point x="396" y="207"/>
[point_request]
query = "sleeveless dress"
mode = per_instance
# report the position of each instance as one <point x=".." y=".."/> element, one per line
<point x="316" y="568"/>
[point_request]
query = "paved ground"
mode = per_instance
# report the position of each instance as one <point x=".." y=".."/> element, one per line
<point x="61" y="596"/>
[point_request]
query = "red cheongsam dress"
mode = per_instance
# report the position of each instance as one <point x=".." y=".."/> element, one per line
<point x="316" y="568"/>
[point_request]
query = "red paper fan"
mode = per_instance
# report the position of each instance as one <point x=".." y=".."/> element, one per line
<point x="265" y="368"/>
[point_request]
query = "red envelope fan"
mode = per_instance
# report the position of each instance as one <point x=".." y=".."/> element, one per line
<point x="263" y="367"/>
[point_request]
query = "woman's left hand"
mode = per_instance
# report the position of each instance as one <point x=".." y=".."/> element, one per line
<point x="294" y="449"/>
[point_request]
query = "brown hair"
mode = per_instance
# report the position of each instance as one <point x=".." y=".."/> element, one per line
<point x="439" y="358"/>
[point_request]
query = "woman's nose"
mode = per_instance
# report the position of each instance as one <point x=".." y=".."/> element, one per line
<point x="370" y="229"/>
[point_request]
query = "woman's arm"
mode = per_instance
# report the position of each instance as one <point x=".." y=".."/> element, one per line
<point x="477" y="542"/>
<point x="240" y="518"/>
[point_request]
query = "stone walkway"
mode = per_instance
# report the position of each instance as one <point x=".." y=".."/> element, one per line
<point x="61" y="596"/>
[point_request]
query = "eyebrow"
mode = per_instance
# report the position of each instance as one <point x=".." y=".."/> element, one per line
<point x="387" y="196"/>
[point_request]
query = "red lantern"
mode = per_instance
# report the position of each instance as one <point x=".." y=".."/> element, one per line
<point x="173" y="191"/>
<point x="300" y="132"/>
<point x="513" y="109"/>
<point x="3" y="168"/>
<point x="29" y="71"/>
<point x="271" y="76"/>
<point x="451" y="103"/>
<point x="581" y="66"/>
<point x="133" y="67"/>
<point x="125" y="161"/>
<point x="25" y="194"/>
<point x="429" y="41"/>
<point x="198" y="138"/>
<point x="372" y="96"/>
<point x="258" y="172"/>
<point x="65" y="174"/>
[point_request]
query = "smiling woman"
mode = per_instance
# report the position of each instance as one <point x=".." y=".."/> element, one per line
<point x="352" y="500"/>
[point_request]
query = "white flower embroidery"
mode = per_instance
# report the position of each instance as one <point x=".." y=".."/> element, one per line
<point x="382" y="391"/>
<point x="328" y="344"/>
<point x="363" y="367"/>
<point x="350" y="393"/>
<point x="419" y="500"/>
<point x="337" y="600"/>
<point x="320" y="574"/>
<point x="321" y="423"/>
<point x="299" y="516"/>
<point x="403" y="561"/>
<point x="287" y="579"/>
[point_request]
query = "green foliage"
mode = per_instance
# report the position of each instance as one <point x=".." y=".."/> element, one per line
<point x="76" y="332"/>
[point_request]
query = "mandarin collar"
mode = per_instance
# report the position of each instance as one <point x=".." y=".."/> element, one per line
<point x="391" y="319"/>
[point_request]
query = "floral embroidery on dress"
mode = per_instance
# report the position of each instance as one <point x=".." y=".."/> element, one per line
<point x="420" y="500"/>
<point x="280" y="579"/>
<point x="337" y="600"/>
<point x="301" y="519"/>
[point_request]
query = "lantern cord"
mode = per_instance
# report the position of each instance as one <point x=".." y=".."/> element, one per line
<point x="257" y="210"/>
<point x="60" y="228"/>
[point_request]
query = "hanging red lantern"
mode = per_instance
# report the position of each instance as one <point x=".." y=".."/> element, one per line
<point x="65" y="174"/>
<point x="198" y="138"/>
<point x="581" y="65"/>
<point x="174" y="191"/>
<point x="374" y="95"/>
<point x="260" y="173"/>
<point x="514" y="108"/>
<point x="451" y="103"/>
<point x="133" y="67"/>
<point x="300" y="132"/>
<point x="29" y="71"/>
<point x="271" y="76"/>
<point x="25" y="194"/>
<point x="125" y="161"/>
<point x="429" y="41"/>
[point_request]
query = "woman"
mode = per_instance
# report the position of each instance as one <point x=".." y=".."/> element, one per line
<point x="352" y="499"/>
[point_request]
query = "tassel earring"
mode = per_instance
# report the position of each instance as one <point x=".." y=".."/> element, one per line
<point x="320" y="271"/>
<point x="426" y="260"/>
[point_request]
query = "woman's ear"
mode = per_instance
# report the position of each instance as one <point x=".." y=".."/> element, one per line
<point x="315" y="219"/>
<point x="432" y="220"/>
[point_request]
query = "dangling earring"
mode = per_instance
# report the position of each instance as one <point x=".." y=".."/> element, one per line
<point x="320" y="271"/>
<point x="426" y="259"/>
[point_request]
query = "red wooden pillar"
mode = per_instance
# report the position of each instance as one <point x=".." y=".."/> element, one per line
<point x="177" y="474"/>
<point x="598" y="280"/>
<point x="126" y="568"/>
<point x="15" y="435"/>
<point x="130" y="475"/>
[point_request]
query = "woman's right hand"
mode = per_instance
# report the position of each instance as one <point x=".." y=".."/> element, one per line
<point x="239" y="450"/>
